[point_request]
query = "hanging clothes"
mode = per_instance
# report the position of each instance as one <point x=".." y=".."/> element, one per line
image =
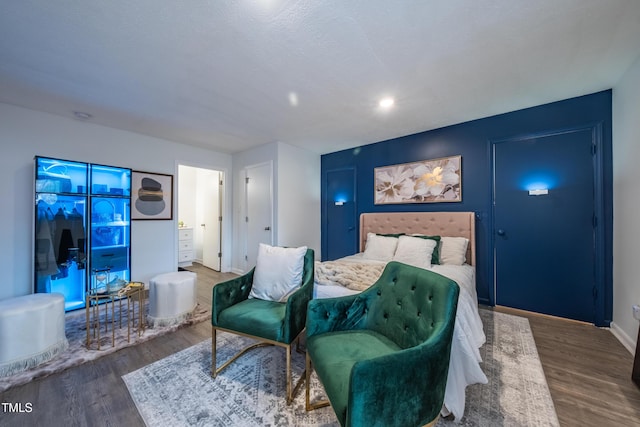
<point x="62" y="242"/>
<point x="45" y="257"/>
<point x="76" y="223"/>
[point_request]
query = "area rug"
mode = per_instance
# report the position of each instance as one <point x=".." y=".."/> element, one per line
<point x="517" y="393"/>
<point x="179" y="391"/>
<point x="77" y="353"/>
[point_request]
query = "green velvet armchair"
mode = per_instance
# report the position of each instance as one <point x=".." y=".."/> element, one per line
<point x="270" y="322"/>
<point x="383" y="355"/>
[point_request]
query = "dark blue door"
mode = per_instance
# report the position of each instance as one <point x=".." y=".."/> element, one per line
<point x="340" y="210"/>
<point x="544" y="224"/>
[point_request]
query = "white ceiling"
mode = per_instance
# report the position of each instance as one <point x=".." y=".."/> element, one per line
<point x="221" y="74"/>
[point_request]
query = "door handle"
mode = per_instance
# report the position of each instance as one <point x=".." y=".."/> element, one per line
<point x="500" y="232"/>
<point x="267" y="228"/>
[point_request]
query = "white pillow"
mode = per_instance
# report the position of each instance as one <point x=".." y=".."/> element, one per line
<point x="278" y="272"/>
<point x="380" y="248"/>
<point x="415" y="251"/>
<point x="453" y="250"/>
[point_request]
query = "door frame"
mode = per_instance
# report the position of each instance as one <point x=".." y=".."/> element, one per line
<point x="224" y="210"/>
<point x="603" y="288"/>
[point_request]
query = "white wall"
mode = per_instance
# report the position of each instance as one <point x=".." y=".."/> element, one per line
<point x="626" y="205"/>
<point x="25" y="133"/>
<point x="298" y="198"/>
<point x="296" y="195"/>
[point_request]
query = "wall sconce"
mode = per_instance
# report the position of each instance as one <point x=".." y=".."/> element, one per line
<point x="540" y="192"/>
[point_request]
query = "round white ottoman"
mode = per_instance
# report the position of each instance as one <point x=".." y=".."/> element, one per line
<point x="31" y="331"/>
<point x="172" y="298"/>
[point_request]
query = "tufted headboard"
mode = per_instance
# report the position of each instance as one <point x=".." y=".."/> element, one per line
<point x="452" y="224"/>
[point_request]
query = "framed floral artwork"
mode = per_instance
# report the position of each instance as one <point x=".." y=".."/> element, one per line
<point x="428" y="181"/>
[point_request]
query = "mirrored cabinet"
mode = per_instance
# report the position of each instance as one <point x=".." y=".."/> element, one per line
<point x="82" y="233"/>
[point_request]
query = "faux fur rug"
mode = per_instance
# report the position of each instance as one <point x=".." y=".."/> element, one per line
<point x="179" y="391"/>
<point x="77" y="353"/>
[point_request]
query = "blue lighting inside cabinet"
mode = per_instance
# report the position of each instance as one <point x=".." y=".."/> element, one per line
<point x="110" y="181"/>
<point x="60" y="176"/>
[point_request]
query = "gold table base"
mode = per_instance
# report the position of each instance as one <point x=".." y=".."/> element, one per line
<point x="134" y="293"/>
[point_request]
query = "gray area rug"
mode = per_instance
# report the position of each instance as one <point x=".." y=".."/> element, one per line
<point x="517" y="393"/>
<point x="179" y="391"/>
<point x="77" y="353"/>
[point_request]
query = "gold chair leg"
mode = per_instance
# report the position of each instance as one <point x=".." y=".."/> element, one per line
<point x="291" y="392"/>
<point x="215" y="371"/>
<point x="433" y="422"/>
<point x="308" y="405"/>
<point x="307" y="391"/>
<point x="288" y="375"/>
<point x="213" y="352"/>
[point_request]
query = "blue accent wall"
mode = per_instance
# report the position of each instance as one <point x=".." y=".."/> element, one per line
<point x="472" y="140"/>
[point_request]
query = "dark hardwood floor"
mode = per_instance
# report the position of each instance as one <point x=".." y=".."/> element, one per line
<point x="587" y="369"/>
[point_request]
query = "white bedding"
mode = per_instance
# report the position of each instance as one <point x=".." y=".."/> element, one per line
<point x="468" y="334"/>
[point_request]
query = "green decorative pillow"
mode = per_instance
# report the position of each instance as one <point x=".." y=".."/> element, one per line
<point x="435" y="256"/>
<point x="390" y="234"/>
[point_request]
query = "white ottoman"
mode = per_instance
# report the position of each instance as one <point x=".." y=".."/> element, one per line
<point x="31" y="331"/>
<point x="172" y="298"/>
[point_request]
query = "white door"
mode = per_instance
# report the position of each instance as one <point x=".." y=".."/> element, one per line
<point x="210" y="184"/>
<point x="259" y="215"/>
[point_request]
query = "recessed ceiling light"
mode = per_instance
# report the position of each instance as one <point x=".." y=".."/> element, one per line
<point x="386" y="102"/>
<point x="82" y="115"/>
<point x="293" y="99"/>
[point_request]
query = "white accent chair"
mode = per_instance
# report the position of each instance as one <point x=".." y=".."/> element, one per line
<point x="172" y="298"/>
<point x="31" y="331"/>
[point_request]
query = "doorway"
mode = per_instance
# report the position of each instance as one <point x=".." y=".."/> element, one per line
<point x="200" y="195"/>
<point x="545" y="229"/>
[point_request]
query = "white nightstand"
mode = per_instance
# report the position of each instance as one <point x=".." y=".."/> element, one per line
<point x="185" y="246"/>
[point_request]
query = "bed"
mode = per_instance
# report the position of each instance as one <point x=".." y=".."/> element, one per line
<point x="355" y="273"/>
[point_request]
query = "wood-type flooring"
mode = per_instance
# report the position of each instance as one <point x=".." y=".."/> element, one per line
<point x="587" y="369"/>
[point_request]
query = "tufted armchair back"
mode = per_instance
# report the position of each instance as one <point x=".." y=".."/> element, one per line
<point x="407" y="304"/>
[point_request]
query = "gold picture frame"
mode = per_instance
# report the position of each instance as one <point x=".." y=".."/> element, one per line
<point x="427" y="181"/>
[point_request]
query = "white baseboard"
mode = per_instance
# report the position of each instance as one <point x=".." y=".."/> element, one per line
<point x="237" y="271"/>
<point x="625" y="339"/>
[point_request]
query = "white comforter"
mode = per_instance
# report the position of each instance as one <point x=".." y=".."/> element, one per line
<point x="468" y="334"/>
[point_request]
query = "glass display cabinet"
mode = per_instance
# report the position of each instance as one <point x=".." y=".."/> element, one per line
<point x="81" y="227"/>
